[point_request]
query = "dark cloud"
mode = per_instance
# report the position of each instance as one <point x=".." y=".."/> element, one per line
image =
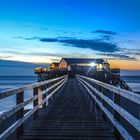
<point x="48" y="39"/>
<point x="137" y="53"/>
<point x="97" y="45"/>
<point x="104" y="32"/>
<point x="92" y="44"/>
<point x="107" y="37"/>
<point x="120" y="56"/>
<point x="131" y="52"/>
<point x="27" y="38"/>
<point x="134" y="53"/>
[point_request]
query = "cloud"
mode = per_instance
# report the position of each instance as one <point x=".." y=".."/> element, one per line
<point x="58" y="55"/>
<point x="5" y="57"/>
<point x="97" y="45"/>
<point x="120" y="56"/>
<point x="55" y="60"/>
<point x="16" y="68"/>
<point x="112" y="55"/>
<point x="26" y="38"/>
<point x="48" y="39"/>
<point x="94" y="44"/>
<point x="131" y="52"/>
<point x="107" y="37"/>
<point x="46" y="54"/>
<point x="134" y="53"/>
<point x="104" y="32"/>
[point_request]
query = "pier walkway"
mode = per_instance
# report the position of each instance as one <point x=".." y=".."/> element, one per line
<point x="71" y="115"/>
<point x="65" y="108"/>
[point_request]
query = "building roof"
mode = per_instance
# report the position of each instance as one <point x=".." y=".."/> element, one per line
<point x="83" y="60"/>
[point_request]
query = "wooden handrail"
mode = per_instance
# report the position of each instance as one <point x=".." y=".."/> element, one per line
<point x="124" y="93"/>
<point x="21" y="103"/>
<point x="96" y="93"/>
<point x="11" y="92"/>
<point x="121" y="129"/>
<point x="130" y="118"/>
<point x="6" y="114"/>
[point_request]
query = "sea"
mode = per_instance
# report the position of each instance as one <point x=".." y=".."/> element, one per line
<point x="10" y="82"/>
<point x="133" y="82"/>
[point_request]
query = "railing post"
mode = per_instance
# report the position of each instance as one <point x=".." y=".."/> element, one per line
<point x="117" y="100"/>
<point x="35" y="102"/>
<point x="20" y="113"/>
<point x="102" y="90"/>
<point x="44" y="95"/>
<point x="51" y="85"/>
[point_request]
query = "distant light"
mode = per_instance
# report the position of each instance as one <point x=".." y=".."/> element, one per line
<point x="92" y="64"/>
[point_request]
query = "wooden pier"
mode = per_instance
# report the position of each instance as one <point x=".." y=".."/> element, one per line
<point x="72" y="115"/>
<point x="72" y="108"/>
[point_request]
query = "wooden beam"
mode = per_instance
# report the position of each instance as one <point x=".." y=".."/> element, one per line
<point x="117" y="100"/>
<point x="11" y="92"/>
<point x="35" y="102"/>
<point x="124" y="93"/>
<point x="19" y="113"/>
<point x="20" y="103"/>
<point x="124" y="133"/>
<point x="126" y="115"/>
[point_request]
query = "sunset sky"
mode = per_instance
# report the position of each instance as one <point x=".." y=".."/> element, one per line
<point x="42" y="31"/>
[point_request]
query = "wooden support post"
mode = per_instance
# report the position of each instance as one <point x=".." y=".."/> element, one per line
<point x="117" y="116"/>
<point x="20" y="113"/>
<point x="40" y="96"/>
<point x="99" y="89"/>
<point x="102" y="90"/>
<point x="50" y="86"/>
<point x="96" y="105"/>
<point x="35" y="102"/>
<point x="44" y="95"/>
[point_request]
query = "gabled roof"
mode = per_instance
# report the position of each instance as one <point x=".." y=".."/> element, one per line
<point x="82" y="60"/>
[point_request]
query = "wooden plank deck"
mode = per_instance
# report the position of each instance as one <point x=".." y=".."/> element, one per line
<point x="71" y="115"/>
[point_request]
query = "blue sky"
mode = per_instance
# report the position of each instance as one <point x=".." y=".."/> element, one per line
<point x="42" y="31"/>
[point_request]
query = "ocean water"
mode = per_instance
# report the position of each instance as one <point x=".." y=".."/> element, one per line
<point x="133" y="82"/>
<point x="9" y="82"/>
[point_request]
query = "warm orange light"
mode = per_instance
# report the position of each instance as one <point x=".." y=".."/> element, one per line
<point x="125" y="64"/>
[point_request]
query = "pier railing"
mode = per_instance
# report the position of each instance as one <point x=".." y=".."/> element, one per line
<point x="118" y="105"/>
<point x="39" y="99"/>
